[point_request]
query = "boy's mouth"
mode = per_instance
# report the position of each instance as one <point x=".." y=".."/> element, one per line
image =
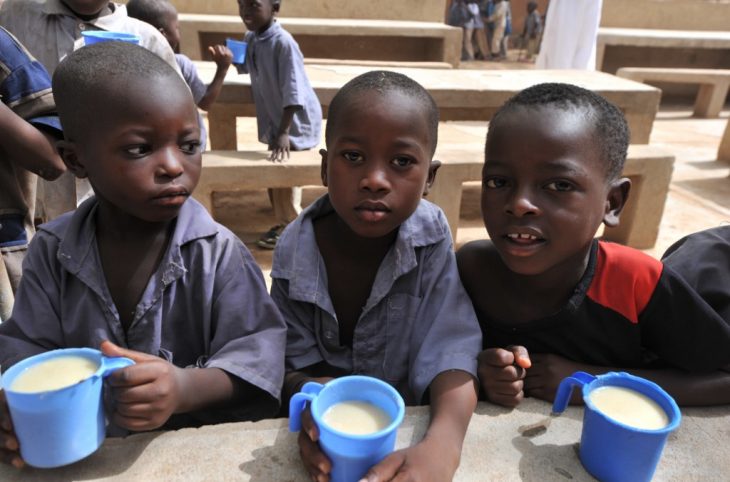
<point x="372" y="211"/>
<point x="523" y="242"/>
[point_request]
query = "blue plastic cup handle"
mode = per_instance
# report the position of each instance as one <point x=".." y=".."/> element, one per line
<point x="299" y="401"/>
<point x="565" y="389"/>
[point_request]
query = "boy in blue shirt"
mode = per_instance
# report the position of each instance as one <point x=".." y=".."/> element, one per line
<point x="141" y="269"/>
<point x="550" y="298"/>
<point x="288" y="113"/>
<point x="366" y="278"/>
<point x="29" y="129"/>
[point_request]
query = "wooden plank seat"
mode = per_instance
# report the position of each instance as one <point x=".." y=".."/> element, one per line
<point x="649" y="168"/>
<point x="358" y="39"/>
<point x="713" y="84"/>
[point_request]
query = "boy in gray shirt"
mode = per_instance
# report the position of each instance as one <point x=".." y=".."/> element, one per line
<point x="288" y="113"/>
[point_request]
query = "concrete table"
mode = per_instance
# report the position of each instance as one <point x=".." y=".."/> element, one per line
<point x="497" y="447"/>
<point x="460" y="94"/>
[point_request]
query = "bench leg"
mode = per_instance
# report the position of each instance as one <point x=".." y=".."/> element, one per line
<point x="222" y="127"/>
<point x="446" y="193"/>
<point x="710" y="100"/>
<point x="723" y="153"/>
<point x="642" y="215"/>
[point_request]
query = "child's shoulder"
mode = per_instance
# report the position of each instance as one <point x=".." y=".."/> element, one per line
<point x="476" y="258"/>
<point x="617" y="261"/>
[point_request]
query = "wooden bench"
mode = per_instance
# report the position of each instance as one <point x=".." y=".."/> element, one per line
<point x="649" y="168"/>
<point x="354" y="39"/>
<point x="658" y="38"/>
<point x="713" y="84"/>
<point x="460" y="94"/>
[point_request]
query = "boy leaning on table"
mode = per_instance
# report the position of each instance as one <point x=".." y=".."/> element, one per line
<point x="553" y="300"/>
<point x="366" y="277"/>
<point x="141" y="269"/>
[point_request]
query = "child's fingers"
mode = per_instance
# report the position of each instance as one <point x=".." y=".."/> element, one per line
<point x="11" y="457"/>
<point x="496" y="357"/>
<point x="315" y="461"/>
<point x="521" y="357"/>
<point x="308" y="425"/>
<point x="110" y="349"/>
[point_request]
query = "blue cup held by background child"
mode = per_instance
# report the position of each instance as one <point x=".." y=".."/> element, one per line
<point x="238" y="48"/>
<point x="351" y="454"/>
<point x="96" y="36"/>
<point x="615" y="448"/>
<point x="59" y="426"/>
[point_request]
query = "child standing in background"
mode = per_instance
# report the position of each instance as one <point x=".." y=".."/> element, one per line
<point x="162" y="15"/>
<point x="553" y="300"/>
<point x="533" y="28"/>
<point x="288" y="113"/>
<point x="366" y="277"/>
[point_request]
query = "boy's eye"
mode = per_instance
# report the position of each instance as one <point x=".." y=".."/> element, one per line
<point x="190" y="147"/>
<point x="494" y="182"/>
<point x="561" y="186"/>
<point x="352" y="156"/>
<point x="402" y="161"/>
<point x="139" y="150"/>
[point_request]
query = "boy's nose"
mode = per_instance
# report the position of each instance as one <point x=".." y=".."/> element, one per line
<point x="375" y="179"/>
<point x="521" y="204"/>
<point x="170" y="165"/>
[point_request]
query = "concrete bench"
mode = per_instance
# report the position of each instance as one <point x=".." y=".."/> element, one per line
<point x="723" y="152"/>
<point x="658" y="38"/>
<point x="713" y="84"/>
<point x="650" y="170"/>
<point x="460" y="94"/>
<point x="354" y="39"/>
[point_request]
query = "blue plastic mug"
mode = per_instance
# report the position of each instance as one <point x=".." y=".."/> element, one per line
<point x="238" y="48"/>
<point x="351" y="455"/>
<point x="96" y="36"/>
<point x="609" y="449"/>
<point x="59" y="427"/>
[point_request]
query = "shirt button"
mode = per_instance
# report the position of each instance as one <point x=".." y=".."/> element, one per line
<point x="329" y="335"/>
<point x="82" y="26"/>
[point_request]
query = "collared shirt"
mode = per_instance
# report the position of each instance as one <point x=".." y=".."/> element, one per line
<point x="26" y="88"/>
<point x="198" y="89"/>
<point x="50" y="31"/>
<point x="205" y="306"/>
<point x="278" y="80"/>
<point x="417" y="322"/>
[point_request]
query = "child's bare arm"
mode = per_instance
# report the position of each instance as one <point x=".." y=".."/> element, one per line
<point x="502" y="372"/>
<point x="29" y="147"/>
<point x="687" y="388"/>
<point x="280" y="147"/>
<point x="437" y="456"/>
<point x="8" y="443"/>
<point x="222" y="56"/>
<point x="149" y="392"/>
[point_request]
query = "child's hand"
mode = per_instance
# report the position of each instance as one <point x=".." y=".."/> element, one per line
<point x="315" y="461"/>
<point x="280" y="148"/>
<point x="147" y="393"/>
<point x="9" y="453"/>
<point x="547" y="371"/>
<point x="502" y="372"/>
<point x="222" y="56"/>
<point x="422" y="462"/>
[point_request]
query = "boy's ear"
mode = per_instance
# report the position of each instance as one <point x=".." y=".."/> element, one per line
<point x="275" y="6"/>
<point x="431" y="175"/>
<point x="323" y="168"/>
<point x="67" y="151"/>
<point x="618" y="194"/>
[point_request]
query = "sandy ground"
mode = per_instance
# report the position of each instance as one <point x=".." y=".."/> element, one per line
<point x="699" y="197"/>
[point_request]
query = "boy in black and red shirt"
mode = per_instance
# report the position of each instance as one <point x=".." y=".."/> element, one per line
<point x="550" y="298"/>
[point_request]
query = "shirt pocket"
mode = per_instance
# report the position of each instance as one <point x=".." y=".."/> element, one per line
<point x="401" y="309"/>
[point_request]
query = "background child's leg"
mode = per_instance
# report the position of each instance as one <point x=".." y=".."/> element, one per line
<point x="287" y="203"/>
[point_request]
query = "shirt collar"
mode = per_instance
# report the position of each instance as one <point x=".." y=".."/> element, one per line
<point x="77" y="236"/>
<point x="297" y="258"/>
<point x="273" y="30"/>
<point x="55" y="7"/>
